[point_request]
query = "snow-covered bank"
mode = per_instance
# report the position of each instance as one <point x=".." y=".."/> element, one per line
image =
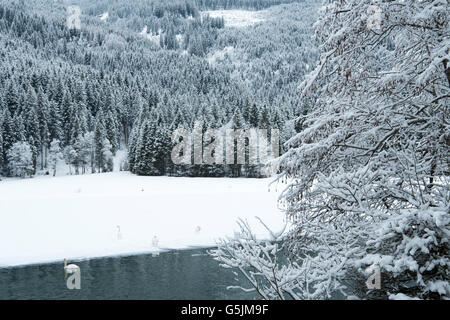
<point x="48" y="219"/>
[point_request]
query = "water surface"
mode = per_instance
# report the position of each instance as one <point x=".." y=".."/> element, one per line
<point x="186" y="274"/>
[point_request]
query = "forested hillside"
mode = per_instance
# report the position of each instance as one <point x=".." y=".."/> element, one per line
<point x="83" y="94"/>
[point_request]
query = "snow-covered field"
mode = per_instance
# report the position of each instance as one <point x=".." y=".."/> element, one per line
<point x="237" y="18"/>
<point x="48" y="219"/>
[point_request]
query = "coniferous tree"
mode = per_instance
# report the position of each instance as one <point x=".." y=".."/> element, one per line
<point x="43" y="113"/>
<point x="150" y="150"/>
<point x="238" y="124"/>
<point x="12" y="99"/>
<point x="31" y="124"/>
<point x="264" y="121"/>
<point x="132" y="148"/>
<point x="112" y="130"/>
<point x="66" y="117"/>
<point x="55" y="123"/>
<point x="99" y="144"/>
<point x="8" y="132"/>
<point x="254" y="117"/>
<point x="78" y="124"/>
<point x="18" y="129"/>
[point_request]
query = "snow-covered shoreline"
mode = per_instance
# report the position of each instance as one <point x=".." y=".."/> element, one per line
<point x="48" y="219"/>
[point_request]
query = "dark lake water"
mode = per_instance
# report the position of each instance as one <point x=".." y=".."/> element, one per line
<point x="185" y="274"/>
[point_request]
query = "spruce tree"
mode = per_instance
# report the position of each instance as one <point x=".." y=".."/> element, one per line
<point x="264" y="121"/>
<point x="79" y="124"/>
<point x="55" y="123"/>
<point x="12" y="97"/>
<point x="254" y="116"/>
<point x="132" y="147"/>
<point x="18" y="129"/>
<point x="43" y="113"/>
<point x="112" y="130"/>
<point x="99" y="144"/>
<point x="151" y="147"/>
<point x="8" y="130"/>
<point x="66" y="117"/>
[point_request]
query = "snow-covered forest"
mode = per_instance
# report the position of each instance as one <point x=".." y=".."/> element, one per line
<point x="358" y="89"/>
<point x="80" y="95"/>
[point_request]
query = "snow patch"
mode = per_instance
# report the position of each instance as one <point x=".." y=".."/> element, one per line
<point x="150" y="36"/>
<point x="104" y="16"/>
<point x="237" y="18"/>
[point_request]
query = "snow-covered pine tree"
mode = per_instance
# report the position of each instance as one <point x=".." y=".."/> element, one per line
<point x="264" y="120"/>
<point x="132" y="147"/>
<point x="7" y="126"/>
<point x="112" y="130"/>
<point x="31" y="123"/>
<point x="255" y="116"/>
<point x="66" y="116"/>
<point x="101" y="144"/>
<point x="78" y="123"/>
<point x="12" y="99"/>
<point x="18" y="129"/>
<point x="151" y="147"/>
<point x="43" y="113"/>
<point x="238" y="124"/>
<point x="55" y="123"/>
<point x="143" y="159"/>
<point x="135" y="135"/>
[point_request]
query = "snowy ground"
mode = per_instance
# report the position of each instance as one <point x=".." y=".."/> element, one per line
<point x="48" y="219"/>
<point x="104" y="16"/>
<point x="237" y="18"/>
<point x="150" y="36"/>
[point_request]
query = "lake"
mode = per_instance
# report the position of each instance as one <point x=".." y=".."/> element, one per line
<point x="181" y="274"/>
